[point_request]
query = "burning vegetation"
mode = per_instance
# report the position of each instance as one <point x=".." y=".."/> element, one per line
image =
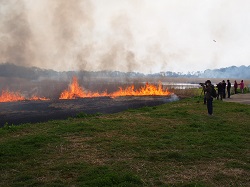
<point x="8" y="96"/>
<point x="75" y="91"/>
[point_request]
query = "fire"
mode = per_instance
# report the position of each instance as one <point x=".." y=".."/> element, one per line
<point x="8" y="96"/>
<point x="146" y="90"/>
<point x="75" y="91"/>
<point x="36" y="98"/>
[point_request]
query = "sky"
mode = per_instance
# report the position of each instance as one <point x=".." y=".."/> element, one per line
<point x="125" y="35"/>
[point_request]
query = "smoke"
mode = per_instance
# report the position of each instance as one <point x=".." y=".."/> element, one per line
<point x="124" y="35"/>
<point x="47" y="34"/>
<point x="73" y="22"/>
<point x="77" y="35"/>
<point x="119" y="44"/>
<point x="16" y="35"/>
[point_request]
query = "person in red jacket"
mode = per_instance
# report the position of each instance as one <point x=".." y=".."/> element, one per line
<point x="242" y="86"/>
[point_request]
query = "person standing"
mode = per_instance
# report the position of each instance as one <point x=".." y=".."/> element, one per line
<point x="220" y="91"/>
<point x="242" y="86"/>
<point x="228" y="88"/>
<point x="224" y="85"/>
<point x="235" y="86"/>
<point x="208" y="90"/>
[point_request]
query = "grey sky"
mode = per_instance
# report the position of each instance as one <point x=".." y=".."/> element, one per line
<point x="125" y="35"/>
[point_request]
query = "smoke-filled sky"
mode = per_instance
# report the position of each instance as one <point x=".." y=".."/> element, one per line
<point x="125" y="35"/>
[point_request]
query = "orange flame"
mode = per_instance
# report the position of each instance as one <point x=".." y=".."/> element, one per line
<point x="75" y="91"/>
<point x="8" y="96"/>
<point x="147" y="90"/>
<point x="36" y="98"/>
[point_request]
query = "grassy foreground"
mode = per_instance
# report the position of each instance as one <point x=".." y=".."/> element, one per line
<point x="175" y="144"/>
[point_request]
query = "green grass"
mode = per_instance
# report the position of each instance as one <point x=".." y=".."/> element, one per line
<point x="175" y="144"/>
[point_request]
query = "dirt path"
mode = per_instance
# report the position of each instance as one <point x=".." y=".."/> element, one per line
<point x="239" y="98"/>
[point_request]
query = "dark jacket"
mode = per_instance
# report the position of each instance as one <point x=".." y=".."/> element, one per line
<point x="219" y="86"/>
<point x="235" y="84"/>
<point x="228" y="85"/>
<point x="208" y="89"/>
<point x="224" y="86"/>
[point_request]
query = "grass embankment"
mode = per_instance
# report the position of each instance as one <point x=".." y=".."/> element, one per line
<point x="174" y="144"/>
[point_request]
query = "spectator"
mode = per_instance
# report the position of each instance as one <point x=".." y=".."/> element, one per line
<point x="208" y="89"/>
<point x="228" y="88"/>
<point x="242" y="86"/>
<point x="224" y="85"/>
<point x="220" y="91"/>
<point x="235" y="86"/>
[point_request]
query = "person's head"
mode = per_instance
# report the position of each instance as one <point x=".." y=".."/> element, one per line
<point x="228" y="80"/>
<point x="208" y="82"/>
<point x="241" y="80"/>
<point x="223" y="81"/>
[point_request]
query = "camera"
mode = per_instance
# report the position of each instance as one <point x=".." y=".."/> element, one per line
<point x="204" y="84"/>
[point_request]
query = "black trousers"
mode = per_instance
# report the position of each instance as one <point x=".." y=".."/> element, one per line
<point x="220" y="95"/>
<point x="228" y="93"/>
<point x="210" y="106"/>
<point x="224" y="94"/>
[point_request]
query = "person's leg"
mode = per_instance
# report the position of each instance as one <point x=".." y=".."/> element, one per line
<point x="210" y="106"/>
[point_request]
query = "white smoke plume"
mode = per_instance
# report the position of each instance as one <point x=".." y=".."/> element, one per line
<point x="125" y="35"/>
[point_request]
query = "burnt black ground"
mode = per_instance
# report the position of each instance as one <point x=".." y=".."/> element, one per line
<point x="17" y="113"/>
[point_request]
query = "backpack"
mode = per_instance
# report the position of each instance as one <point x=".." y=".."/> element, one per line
<point x="214" y="93"/>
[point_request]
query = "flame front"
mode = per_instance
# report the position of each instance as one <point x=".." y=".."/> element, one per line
<point x="75" y="91"/>
<point x="36" y="98"/>
<point x="147" y="90"/>
<point x="8" y="96"/>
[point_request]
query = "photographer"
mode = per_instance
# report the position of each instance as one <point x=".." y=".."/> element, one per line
<point x="207" y="87"/>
